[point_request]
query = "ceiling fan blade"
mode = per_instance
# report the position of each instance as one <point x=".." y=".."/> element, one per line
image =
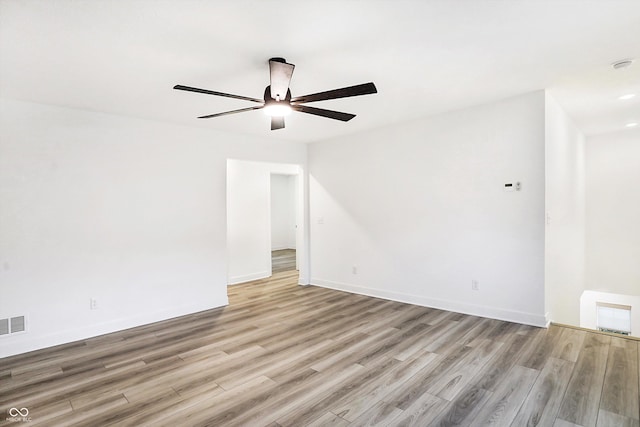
<point x="280" y="75"/>
<point x="211" y="92"/>
<point x="277" y="123"/>
<point x="242" y="110"/>
<point x="336" y="115"/>
<point x="345" y="92"/>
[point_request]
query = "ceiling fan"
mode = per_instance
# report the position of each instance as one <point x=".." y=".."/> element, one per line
<point x="277" y="101"/>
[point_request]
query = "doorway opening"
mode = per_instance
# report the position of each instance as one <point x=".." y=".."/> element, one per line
<point x="284" y="222"/>
<point x="266" y="213"/>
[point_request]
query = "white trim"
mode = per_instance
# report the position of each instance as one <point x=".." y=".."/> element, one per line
<point x="547" y="317"/>
<point x="303" y="279"/>
<point x="249" y="277"/>
<point x="455" y="306"/>
<point x="27" y="342"/>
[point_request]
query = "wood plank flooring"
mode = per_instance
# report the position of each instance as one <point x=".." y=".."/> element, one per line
<point x="286" y="355"/>
<point x="283" y="260"/>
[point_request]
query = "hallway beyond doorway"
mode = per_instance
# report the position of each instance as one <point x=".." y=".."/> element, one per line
<point x="283" y="260"/>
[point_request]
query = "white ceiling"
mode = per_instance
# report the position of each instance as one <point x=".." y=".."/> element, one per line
<point x="425" y="57"/>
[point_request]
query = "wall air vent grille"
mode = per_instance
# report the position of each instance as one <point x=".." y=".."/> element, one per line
<point x="12" y="325"/>
<point x="17" y="324"/>
<point x="613" y="331"/>
<point x="4" y="326"/>
<point x="615" y="318"/>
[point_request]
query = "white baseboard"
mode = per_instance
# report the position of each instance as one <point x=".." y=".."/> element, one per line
<point x="547" y="318"/>
<point x="248" y="277"/>
<point x="448" y="305"/>
<point x="26" y="342"/>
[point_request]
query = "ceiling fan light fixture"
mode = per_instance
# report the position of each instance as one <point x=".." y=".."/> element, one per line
<point x="277" y="109"/>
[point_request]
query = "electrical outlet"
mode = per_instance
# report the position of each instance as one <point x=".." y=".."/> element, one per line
<point x="354" y="269"/>
<point x="93" y="304"/>
<point x="475" y="285"/>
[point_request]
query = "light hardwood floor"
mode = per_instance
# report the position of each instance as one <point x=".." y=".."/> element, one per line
<point x="283" y="260"/>
<point x="286" y="355"/>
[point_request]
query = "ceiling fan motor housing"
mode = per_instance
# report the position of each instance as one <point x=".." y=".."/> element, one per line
<point x="268" y="99"/>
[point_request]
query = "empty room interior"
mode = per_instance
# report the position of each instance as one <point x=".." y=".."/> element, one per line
<point x="320" y="213"/>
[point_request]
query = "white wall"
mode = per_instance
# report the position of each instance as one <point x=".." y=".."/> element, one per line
<point x="130" y="212"/>
<point x="613" y="212"/>
<point x="420" y="210"/>
<point x="283" y="212"/>
<point x="248" y="220"/>
<point x="565" y="210"/>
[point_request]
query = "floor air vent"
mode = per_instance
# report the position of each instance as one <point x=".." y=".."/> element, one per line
<point x="12" y="325"/>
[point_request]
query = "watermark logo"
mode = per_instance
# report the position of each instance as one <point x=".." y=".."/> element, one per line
<point x="18" y="415"/>
<point x="15" y="412"/>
